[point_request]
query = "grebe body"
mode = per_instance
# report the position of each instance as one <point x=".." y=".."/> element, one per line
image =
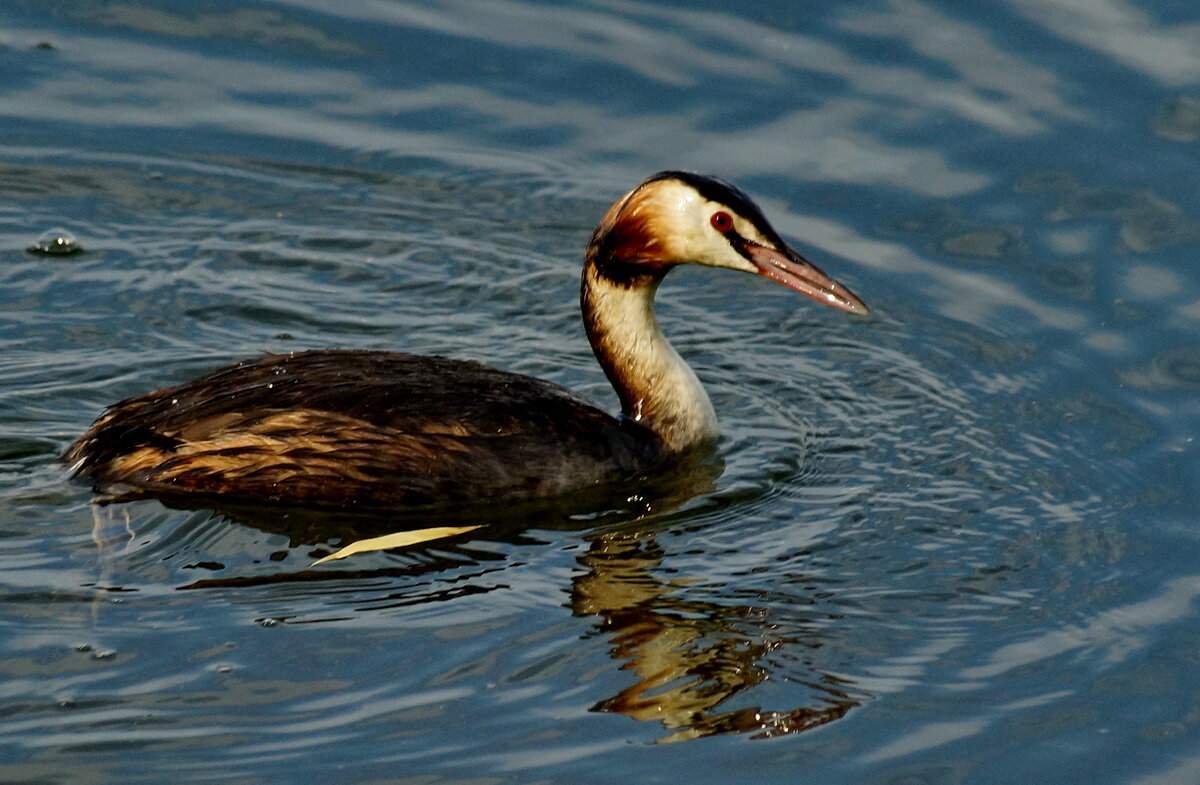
<point x="359" y="428"/>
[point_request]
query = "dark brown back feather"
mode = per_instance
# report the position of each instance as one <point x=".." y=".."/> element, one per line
<point x="353" y="427"/>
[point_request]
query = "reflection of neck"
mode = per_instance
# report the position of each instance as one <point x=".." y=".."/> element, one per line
<point x="689" y="656"/>
<point x="659" y="647"/>
<point x="657" y="388"/>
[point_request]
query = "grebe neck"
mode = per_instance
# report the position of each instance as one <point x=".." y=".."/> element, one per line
<point x="656" y="387"/>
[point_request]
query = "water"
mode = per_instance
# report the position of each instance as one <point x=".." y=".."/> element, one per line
<point x="953" y="542"/>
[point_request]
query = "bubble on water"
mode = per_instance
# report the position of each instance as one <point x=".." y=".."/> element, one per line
<point x="56" y="242"/>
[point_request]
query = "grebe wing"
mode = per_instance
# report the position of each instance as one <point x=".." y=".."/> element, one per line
<point x="349" y="427"/>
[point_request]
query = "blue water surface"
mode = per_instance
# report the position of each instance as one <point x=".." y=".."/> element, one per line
<point x="953" y="542"/>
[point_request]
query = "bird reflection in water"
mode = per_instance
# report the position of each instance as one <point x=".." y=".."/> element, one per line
<point x="690" y="656"/>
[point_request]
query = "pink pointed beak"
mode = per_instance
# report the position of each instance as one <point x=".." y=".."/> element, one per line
<point x="795" y="272"/>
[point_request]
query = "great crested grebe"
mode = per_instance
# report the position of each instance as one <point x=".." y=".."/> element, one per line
<point x="385" y="429"/>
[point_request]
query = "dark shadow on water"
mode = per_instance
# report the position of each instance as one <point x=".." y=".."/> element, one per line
<point x="320" y="532"/>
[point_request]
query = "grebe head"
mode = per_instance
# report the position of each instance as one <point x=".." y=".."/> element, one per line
<point x="677" y="218"/>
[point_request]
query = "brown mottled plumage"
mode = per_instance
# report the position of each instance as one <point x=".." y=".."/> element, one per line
<point x="361" y="428"/>
<point x="347" y="427"/>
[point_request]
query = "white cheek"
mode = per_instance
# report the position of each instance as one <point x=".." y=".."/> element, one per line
<point x="712" y="249"/>
<point x="735" y="261"/>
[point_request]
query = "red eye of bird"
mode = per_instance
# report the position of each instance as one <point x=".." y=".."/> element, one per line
<point x="721" y="221"/>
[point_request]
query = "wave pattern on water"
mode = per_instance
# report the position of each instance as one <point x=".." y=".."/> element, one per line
<point x="952" y="533"/>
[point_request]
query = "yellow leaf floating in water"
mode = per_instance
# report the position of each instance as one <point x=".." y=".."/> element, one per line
<point x="396" y="540"/>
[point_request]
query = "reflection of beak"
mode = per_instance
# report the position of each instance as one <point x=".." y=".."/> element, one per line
<point x="795" y="272"/>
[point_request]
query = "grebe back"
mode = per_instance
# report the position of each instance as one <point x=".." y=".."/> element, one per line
<point x="361" y="428"/>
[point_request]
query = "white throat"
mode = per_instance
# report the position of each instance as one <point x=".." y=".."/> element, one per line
<point x="657" y="388"/>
